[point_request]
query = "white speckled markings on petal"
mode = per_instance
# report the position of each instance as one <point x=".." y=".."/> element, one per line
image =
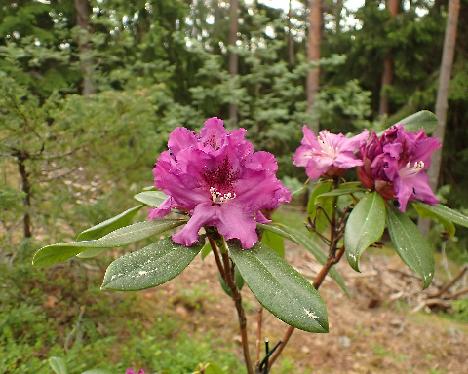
<point x="150" y="266"/>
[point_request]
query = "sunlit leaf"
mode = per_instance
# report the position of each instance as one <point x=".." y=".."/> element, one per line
<point x="280" y="289"/>
<point x="150" y="266"/>
<point x="412" y="247"/>
<point x="365" y="226"/>
<point x="55" y="253"/>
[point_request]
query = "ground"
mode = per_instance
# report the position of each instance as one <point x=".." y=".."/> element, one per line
<point x="367" y="333"/>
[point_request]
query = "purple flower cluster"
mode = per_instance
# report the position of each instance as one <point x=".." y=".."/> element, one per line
<point x="394" y="163"/>
<point x="327" y="153"/>
<point x="219" y="180"/>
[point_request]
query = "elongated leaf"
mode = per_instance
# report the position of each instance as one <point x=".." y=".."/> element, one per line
<point x="350" y="185"/>
<point x="105" y="227"/>
<point x="412" y="247"/>
<point x="238" y="280"/>
<point x="57" y="364"/>
<point x="422" y="120"/>
<point x="311" y="245"/>
<point x="151" y="198"/>
<point x="365" y="226"/>
<point x="315" y="214"/>
<point x="150" y="266"/>
<point x="275" y="228"/>
<point x="274" y="241"/>
<point x="206" y="250"/>
<point x="338" y="192"/>
<point x="55" y="253"/>
<point x="318" y="189"/>
<point x="281" y="289"/>
<point x="445" y="212"/>
<point x="424" y="212"/>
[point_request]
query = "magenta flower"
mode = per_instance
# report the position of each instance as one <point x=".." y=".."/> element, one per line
<point x="131" y="371"/>
<point x="218" y="179"/>
<point x="395" y="165"/>
<point x="327" y="152"/>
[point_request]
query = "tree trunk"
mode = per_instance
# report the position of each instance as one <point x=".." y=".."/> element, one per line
<point x="82" y="9"/>
<point x="26" y="189"/>
<point x="443" y="90"/>
<point x="290" y="37"/>
<point x="313" y="55"/>
<point x="387" y="74"/>
<point x="233" y="58"/>
<point x="442" y="98"/>
<point x="337" y="14"/>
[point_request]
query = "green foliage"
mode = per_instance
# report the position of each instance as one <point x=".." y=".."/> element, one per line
<point x="409" y="243"/>
<point x="150" y="266"/>
<point x="280" y="289"/>
<point x="365" y="226"/>
<point x="55" y="253"/>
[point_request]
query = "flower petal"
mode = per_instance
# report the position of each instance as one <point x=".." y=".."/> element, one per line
<point x="180" y="139"/>
<point x="235" y="223"/>
<point x="163" y="210"/>
<point x="203" y="214"/>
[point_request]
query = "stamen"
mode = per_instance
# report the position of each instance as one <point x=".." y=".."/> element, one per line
<point x="219" y="198"/>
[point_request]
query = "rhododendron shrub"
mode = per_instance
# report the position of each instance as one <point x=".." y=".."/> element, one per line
<point x="214" y="194"/>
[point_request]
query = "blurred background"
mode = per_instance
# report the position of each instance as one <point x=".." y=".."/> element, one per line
<point x="90" y="90"/>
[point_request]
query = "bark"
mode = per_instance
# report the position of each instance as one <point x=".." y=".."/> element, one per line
<point x="26" y="189"/>
<point x="443" y="90"/>
<point x="82" y="9"/>
<point x="387" y="73"/>
<point x="290" y="37"/>
<point x="337" y="11"/>
<point x="233" y="58"/>
<point x="313" y="54"/>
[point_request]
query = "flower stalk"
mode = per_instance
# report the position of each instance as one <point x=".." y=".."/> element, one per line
<point x="226" y="270"/>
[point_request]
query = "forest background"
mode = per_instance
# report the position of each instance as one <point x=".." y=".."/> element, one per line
<point x="90" y="90"/>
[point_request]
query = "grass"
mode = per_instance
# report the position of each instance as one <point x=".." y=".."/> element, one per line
<point x="40" y="318"/>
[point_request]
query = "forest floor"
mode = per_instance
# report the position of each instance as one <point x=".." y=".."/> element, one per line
<point x="368" y="333"/>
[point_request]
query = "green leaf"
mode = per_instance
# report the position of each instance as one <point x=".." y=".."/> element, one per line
<point x="151" y="198"/>
<point x="96" y="371"/>
<point x="55" y="253"/>
<point x="206" y="250"/>
<point x="238" y="280"/>
<point x="58" y="365"/>
<point x="350" y="185"/>
<point x="422" y="120"/>
<point x="309" y="243"/>
<point x="446" y="213"/>
<point x="280" y="289"/>
<point x="412" y="247"/>
<point x="150" y="266"/>
<point x="109" y="225"/>
<point x="424" y="212"/>
<point x="318" y="189"/>
<point x="275" y="228"/>
<point x="317" y="215"/>
<point x="365" y="226"/>
<point x="338" y="192"/>
<point x="274" y="241"/>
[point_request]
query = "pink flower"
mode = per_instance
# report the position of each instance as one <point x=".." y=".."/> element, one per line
<point x="395" y="165"/>
<point x="131" y="371"/>
<point x="218" y="179"/>
<point x="327" y="152"/>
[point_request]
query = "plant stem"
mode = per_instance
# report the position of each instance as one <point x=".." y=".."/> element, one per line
<point x="333" y="257"/>
<point x="227" y="272"/>
<point x="258" y="341"/>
